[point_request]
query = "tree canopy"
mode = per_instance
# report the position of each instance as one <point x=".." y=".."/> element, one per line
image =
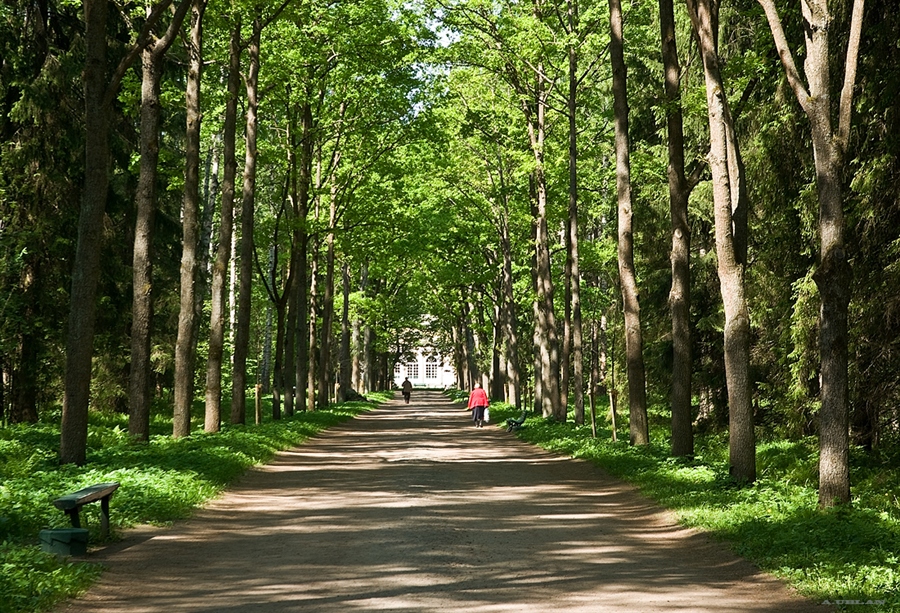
<point x="443" y="175"/>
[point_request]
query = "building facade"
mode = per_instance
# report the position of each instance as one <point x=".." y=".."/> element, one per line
<point x="425" y="369"/>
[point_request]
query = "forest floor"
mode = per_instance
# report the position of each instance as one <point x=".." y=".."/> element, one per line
<point x="411" y="508"/>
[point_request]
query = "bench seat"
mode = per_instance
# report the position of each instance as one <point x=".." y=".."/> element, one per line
<point x="71" y="504"/>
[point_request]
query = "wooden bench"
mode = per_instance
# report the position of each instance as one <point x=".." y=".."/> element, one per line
<point x="71" y="504"/>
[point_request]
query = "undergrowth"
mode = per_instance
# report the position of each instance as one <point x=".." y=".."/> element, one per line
<point x="161" y="481"/>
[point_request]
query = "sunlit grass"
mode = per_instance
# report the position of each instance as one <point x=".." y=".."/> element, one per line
<point x="161" y="481"/>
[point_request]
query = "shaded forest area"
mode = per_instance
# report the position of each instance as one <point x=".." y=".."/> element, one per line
<point x="688" y="206"/>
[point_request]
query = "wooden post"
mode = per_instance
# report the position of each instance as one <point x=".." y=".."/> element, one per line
<point x="258" y="401"/>
<point x="613" y="395"/>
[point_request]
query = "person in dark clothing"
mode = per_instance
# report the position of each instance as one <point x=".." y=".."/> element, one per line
<point x="407" y="389"/>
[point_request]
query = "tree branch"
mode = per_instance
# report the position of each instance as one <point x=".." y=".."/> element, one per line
<point x="784" y="52"/>
<point x="846" y="108"/>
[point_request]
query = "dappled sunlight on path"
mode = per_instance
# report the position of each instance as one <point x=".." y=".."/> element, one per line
<point x="411" y="508"/>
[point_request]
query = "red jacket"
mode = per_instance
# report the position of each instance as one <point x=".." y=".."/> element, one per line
<point x="478" y="398"/>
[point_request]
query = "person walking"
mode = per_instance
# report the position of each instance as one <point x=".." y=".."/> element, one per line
<point x="478" y="402"/>
<point x="407" y="389"/>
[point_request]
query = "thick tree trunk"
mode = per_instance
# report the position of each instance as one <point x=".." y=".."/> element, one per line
<point x="723" y="160"/>
<point x="185" y="344"/>
<point x="145" y="207"/>
<point x="142" y="261"/>
<point x="637" y="393"/>
<point x="86" y="268"/>
<point x="245" y="260"/>
<point x="226" y="234"/>
<point x="680" y="294"/>
<point x="98" y="97"/>
<point x="833" y="274"/>
<point x="24" y="375"/>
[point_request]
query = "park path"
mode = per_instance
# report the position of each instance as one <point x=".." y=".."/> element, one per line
<point x="410" y="508"/>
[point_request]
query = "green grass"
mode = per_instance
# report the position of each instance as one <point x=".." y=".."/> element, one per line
<point x="161" y="481"/>
<point x="836" y="555"/>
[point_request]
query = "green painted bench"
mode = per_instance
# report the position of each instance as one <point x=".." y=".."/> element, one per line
<point x="514" y="424"/>
<point x="71" y="504"/>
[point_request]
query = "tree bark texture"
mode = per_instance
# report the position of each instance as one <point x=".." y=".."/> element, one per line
<point x="573" y="270"/>
<point x="185" y="345"/>
<point x="510" y="316"/>
<point x="637" y="393"/>
<point x="723" y="148"/>
<point x="680" y="293"/>
<point x="246" y="247"/>
<point x="86" y="267"/>
<point x="833" y="274"/>
<point x="142" y="261"/>
<point x="218" y="306"/>
<point x="344" y="374"/>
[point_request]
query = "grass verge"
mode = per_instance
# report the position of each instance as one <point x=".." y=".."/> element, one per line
<point x="846" y="556"/>
<point x="161" y="481"/>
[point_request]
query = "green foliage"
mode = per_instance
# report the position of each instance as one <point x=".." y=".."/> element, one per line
<point x="31" y="580"/>
<point x="836" y="554"/>
<point x="161" y="481"/>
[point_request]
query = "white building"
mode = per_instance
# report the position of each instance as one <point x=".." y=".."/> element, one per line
<point x="426" y="370"/>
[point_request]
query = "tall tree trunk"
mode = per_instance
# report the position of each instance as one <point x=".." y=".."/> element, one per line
<point x="511" y="318"/>
<point x="833" y="273"/>
<point x="86" y="269"/>
<point x="289" y="372"/>
<point x="497" y="380"/>
<point x="142" y="261"/>
<point x="145" y="210"/>
<point x="185" y="344"/>
<point x="220" y="283"/>
<point x="573" y="270"/>
<point x="680" y="294"/>
<point x="24" y="375"/>
<point x="245" y="260"/>
<point x="301" y="240"/>
<point x="325" y="365"/>
<point x="98" y="97"/>
<point x="723" y="159"/>
<point x="637" y="392"/>
<point x="538" y="406"/>
<point x="313" y="344"/>
<point x="547" y="338"/>
<point x="344" y="378"/>
<point x="595" y="374"/>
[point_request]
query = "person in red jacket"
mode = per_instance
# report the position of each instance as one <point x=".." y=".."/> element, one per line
<point x="478" y="402"/>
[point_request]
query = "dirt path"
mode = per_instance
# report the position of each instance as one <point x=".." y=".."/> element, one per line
<point x="410" y="508"/>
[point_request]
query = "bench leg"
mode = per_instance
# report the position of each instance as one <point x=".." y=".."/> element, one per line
<point x="73" y="517"/>
<point x="104" y="517"/>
